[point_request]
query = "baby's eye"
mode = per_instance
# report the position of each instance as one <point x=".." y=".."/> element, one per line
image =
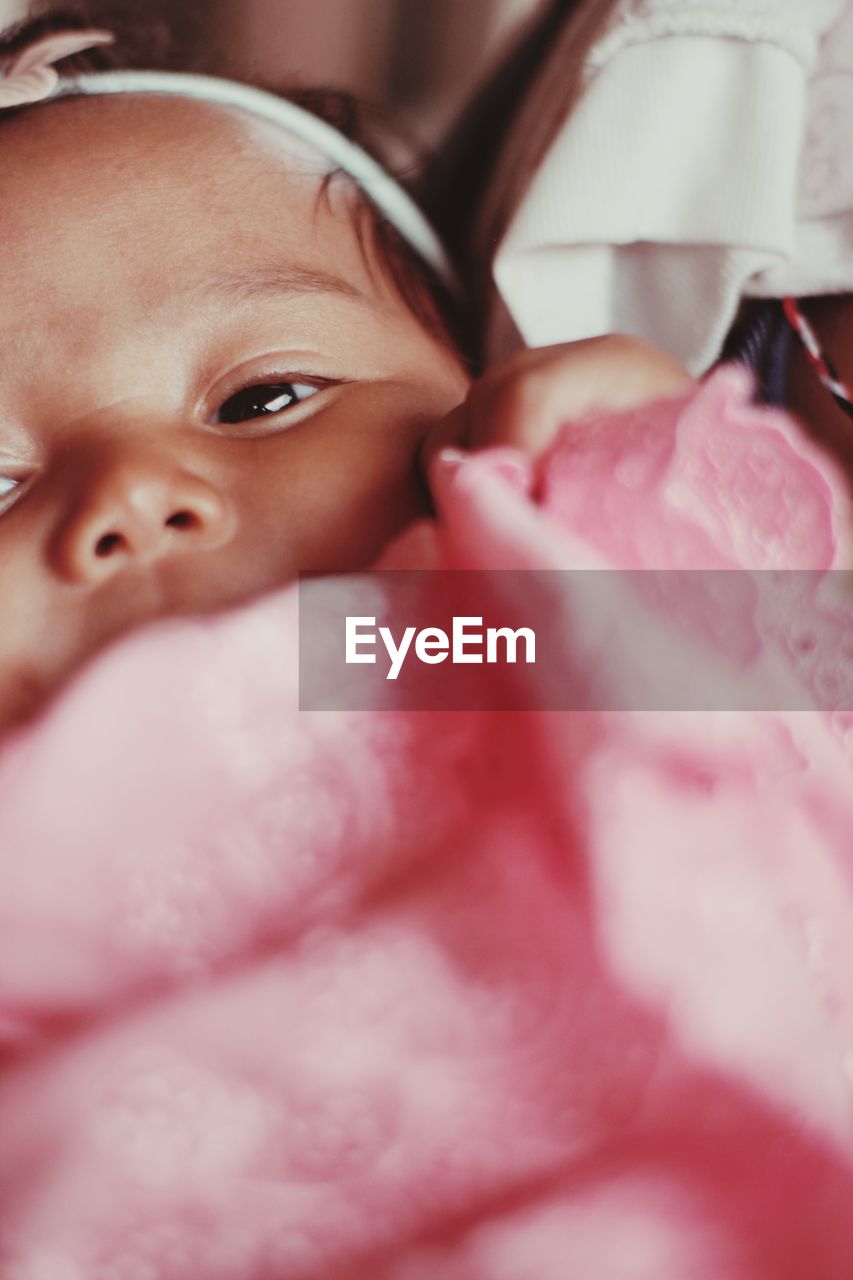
<point x="262" y="399"/>
<point x="8" y="485"/>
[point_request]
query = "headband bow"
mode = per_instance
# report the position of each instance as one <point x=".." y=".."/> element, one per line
<point x="32" y="77"/>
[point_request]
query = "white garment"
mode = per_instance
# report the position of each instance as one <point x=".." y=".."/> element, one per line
<point x="710" y="157"/>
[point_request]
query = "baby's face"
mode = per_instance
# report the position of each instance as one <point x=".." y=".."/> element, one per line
<point x="204" y="387"/>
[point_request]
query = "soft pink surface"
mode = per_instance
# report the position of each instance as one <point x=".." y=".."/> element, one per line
<point x="403" y="996"/>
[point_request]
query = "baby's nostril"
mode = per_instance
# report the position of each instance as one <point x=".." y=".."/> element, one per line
<point x="107" y="544"/>
<point x="182" y="520"/>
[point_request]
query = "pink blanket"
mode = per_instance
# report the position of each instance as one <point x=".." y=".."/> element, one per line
<point x="397" y="996"/>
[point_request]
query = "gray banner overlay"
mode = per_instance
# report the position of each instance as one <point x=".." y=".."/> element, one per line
<point x="579" y="640"/>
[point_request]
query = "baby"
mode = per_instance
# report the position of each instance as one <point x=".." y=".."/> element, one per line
<point x="288" y="995"/>
<point x="220" y="359"/>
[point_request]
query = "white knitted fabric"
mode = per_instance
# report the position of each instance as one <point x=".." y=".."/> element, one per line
<point x="710" y="157"/>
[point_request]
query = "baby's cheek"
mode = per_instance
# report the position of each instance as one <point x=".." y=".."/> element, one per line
<point x="29" y="631"/>
<point x="353" y="495"/>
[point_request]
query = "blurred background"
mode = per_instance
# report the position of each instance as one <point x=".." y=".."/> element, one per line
<point x="420" y="59"/>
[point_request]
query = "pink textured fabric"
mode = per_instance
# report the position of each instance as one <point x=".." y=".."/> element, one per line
<point x="396" y="996"/>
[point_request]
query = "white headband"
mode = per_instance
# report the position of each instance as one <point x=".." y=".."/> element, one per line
<point x="380" y="188"/>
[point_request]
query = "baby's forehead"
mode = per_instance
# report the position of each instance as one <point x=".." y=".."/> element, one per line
<point x="150" y="130"/>
<point x="168" y="179"/>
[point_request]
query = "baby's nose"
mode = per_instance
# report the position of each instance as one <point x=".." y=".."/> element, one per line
<point x="137" y="513"/>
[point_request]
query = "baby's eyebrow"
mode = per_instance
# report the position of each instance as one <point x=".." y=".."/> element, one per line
<point x="289" y="278"/>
